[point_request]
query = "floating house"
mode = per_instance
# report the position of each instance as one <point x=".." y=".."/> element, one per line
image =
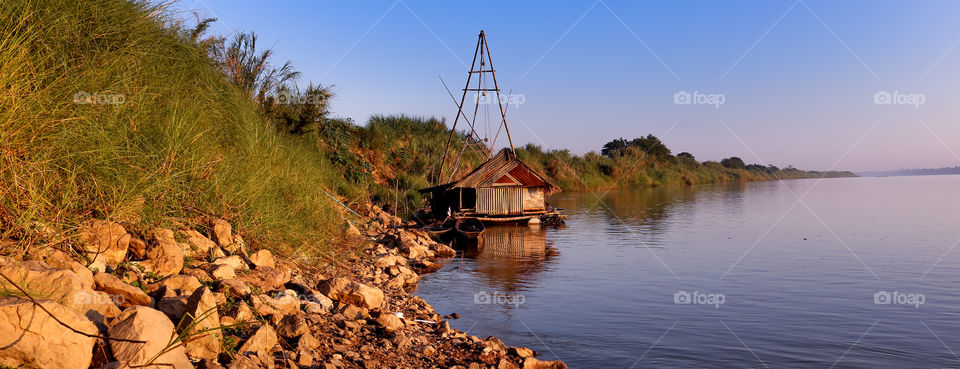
<point x="503" y="189"/>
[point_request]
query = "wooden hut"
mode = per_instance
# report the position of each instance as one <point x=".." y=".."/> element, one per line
<point x="503" y="189"/>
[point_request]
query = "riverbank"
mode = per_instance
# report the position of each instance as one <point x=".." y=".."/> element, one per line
<point x="228" y="306"/>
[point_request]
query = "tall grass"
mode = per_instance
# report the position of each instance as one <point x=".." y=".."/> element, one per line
<point x="166" y="138"/>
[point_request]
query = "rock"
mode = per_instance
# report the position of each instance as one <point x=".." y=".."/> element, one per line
<point x="137" y="248"/>
<point x="124" y="295"/>
<point x="182" y="285"/>
<point x="165" y="256"/>
<point x="234" y="288"/>
<point x="62" y="286"/>
<point x="507" y="364"/>
<point x="354" y="293"/>
<point x="390" y="323"/>
<point x="386" y="261"/>
<point x="304" y="358"/>
<point x="170" y="304"/>
<point x="29" y="337"/>
<point x="60" y="260"/>
<point x="244" y="314"/>
<point x="522" y="352"/>
<point x="533" y="363"/>
<point x="262" y="340"/>
<point x="234" y="261"/>
<point x="352" y="312"/>
<point x="263" y="258"/>
<point x="424" y="266"/>
<point x="199" y="274"/>
<point x="282" y="303"/>
<point x="221" y="271"/>
<point x="308" y="341"/>
<point x="199" y="246"/>
<point x="266" y="278"/>
<point x="293" y="326"/>
<point x="222" y="232"/>
<point x="149" y="325"/>
<point x="104" y="241"/>
<point x="201" y="315"/>
<point x="442" y="250"/>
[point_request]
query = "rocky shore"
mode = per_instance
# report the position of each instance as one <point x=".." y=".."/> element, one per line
<point x="198" y="297"/>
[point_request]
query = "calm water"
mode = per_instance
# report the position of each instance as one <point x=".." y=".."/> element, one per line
<point x="791" y="284"/>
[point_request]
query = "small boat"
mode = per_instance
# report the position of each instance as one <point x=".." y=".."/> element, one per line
<point x="440" y="228"/>
<point x="470" y="228"/>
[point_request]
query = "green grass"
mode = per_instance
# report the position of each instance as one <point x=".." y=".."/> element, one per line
<point x="183" y="143"/>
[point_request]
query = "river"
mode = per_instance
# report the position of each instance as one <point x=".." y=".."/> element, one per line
<point x="845" y="273"/>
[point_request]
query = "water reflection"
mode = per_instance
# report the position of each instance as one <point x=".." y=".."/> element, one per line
<point x="510" y="257"/>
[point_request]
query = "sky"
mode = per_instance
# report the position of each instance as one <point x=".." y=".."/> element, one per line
<point x="841" y="85"/>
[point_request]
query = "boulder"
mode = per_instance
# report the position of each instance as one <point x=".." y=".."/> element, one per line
<point x="124" y="295"/>
<point x="222" y="232"/>
<point x="281" y="303"/>
<point x="137" y="248"/>
<point x="62" y="286"/>
<point x="263" y="258"/>
<point x="203" y="322"/>
<point x="60" y="260"/>
<point x="522" y="352"/>
<point x="165" y="255"/>
<point x="199" y="246"/>
<point x="234" y="261"/>
<point x="182" y="285"/>
<point x="234" y="288"/>
<point x="390" y="323"/>
<point x="355" y="293"/>
<point x="30" y="337"/>
<point x="533" y="363"/>
<point x="293" y="326"/>
<point x="266" y="278"/>
<point x="262" y="340"/>
<point x="172" y="305"/>
<point x="442" y="250"/>
<point x="104" y="241"/>
<point x="221" y="271"/>
<point x="156" y="330"/>
<point x="308" y="341"/>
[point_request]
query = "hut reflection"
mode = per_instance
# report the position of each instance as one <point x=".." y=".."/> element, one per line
<point x="510" y="257"/>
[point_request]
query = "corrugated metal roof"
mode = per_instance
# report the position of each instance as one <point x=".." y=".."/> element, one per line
<point x="505" y="162"/>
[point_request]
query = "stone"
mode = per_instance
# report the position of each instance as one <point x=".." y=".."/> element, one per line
<point x="201" y="316"/>
<point x="234" y="288"/>
<point x="104" y="241"/>
<point x="293" y="326"/>
<point x="263" y="258"/>
<point x="304" y="358"/>
<point x="234" y="261"/>
<point x="172" y="305"/>
<point x="352" y="312"/>
<point x="354" y="293"/>
<point x="386" y="261"/>
<point x="30" y="337"/>
<point x="507" y="364"/>
<point x="244" y="314"/>
<point x="222" y="232"/>
<point x="281" y="303"/>
<point x="59" y="285"/>
<point x="418" y="251"/>
<point x="262" y="340"/>
<point x="137" y="248"/>
<point x="308" y="341"/>
<point x="124" y="295"/>
<point x="265" y="278"/>
<point x="182" y="285"/>
<point x="522" y="352"/>
<point x="199" y="246"/>
<point x="200" y="274"/>
<point x="390" y="323"/>
<point x="155" y="329"/>
<point x="165" y="255"/>
<point x="533" y="363"/>
<point x="221" y="271"/>
<point x="442" y="250"/>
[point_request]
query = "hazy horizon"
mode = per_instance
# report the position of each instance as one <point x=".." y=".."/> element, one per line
<point x="798" y="79"/>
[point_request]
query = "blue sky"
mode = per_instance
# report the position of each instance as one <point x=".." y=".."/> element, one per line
<point x="798" y="78"/>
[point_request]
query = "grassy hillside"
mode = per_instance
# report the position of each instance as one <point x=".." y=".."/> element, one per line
<point x="157" y="134"/>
